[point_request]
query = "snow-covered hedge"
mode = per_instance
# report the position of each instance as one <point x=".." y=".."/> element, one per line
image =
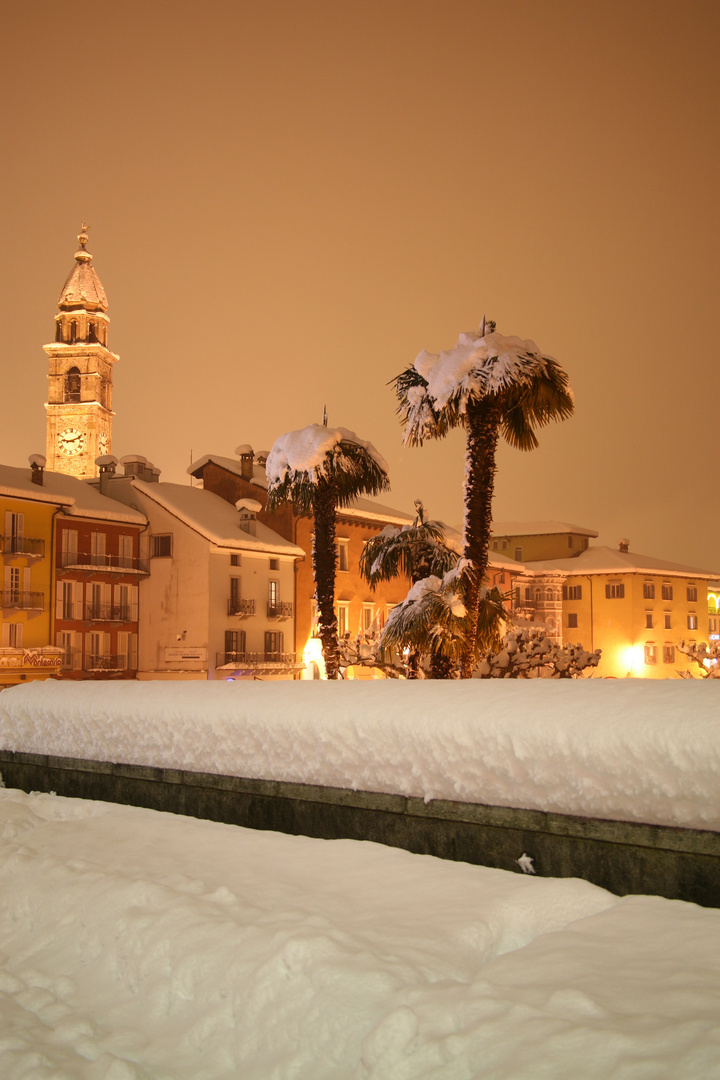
<point x="635" y="750"/>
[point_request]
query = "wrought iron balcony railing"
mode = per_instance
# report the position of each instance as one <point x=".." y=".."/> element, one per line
<point x="256" y="659"/>
<point x="22" y="545"/>
<point x="241" y="607"/>
<point x="279" y="609"/>
<point x="24" y="601"/>
<point x="107" y="662"/>
<point x="107" y="613"/>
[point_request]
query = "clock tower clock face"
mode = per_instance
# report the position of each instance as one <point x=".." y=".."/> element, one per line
<point x="71" y="442"/>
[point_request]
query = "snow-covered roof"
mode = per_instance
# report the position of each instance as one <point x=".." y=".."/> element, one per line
<point x="76" y="497"/>
<point x="605" y="560"/>
<point x="233" y="465"/>
<point x="360" y="509"/>
<point x="214" y="518"/>
<point x="369" y="510"/>
<point x="538" y="528"/>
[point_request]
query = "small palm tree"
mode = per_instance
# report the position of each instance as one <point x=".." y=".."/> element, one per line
<point x="416" y="551"/>
<point x="319" y="469"/>
<point x="490" y="385"/>
<point x="433" y="618"/>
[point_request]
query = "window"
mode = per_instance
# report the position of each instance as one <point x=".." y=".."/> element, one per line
<point x="667" y="592"/>
<point x="650" y="653"/>
<point x="127" y="651"/>
<point x="72" y="379"/>
<point x="69" y="547"/>
<point x="668" y="620"/>
<point x="648" y="591"/>
<point x="14" y="526"/>
<point x="572" y="621"/>
<point x="161" y="546"/>
<point x="273" y="644"/>
<point x="572" y="592"/>
<point x="495" y="545"/>
<point x="614" y="590"/>
<point x="274" y="564"/>
<point x="97" y="549"/>
<point x="12" y="581"/>
<point x="501" y="579"/>
<point x="368" y="617"/>
<point x="235" y="560"/>
<point x="234" y="591"/>
<point x="668" y="654"/>
<point x="343" y="618"/>
<point x="234" y="646"/>
<point x="518" y="554"/>
<point x="692" y="621"/>
<point x="273" y="597"/>
<point x="648" y="620"/>
<point x="12" y="635"/>
<point x="692" y="594"/>
<point x="504" y="545"/>
<point x="125" y="550"/>
<point x="342" y="554"/>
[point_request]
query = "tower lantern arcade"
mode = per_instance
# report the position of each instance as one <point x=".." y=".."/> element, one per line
<point x="79" y="405"/>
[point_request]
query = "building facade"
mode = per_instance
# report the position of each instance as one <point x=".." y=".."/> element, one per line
<point x="635" y="608"/>
<point x="218" y="601"/>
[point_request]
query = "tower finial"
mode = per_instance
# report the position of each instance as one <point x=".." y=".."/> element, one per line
<point x="82" y="235"/>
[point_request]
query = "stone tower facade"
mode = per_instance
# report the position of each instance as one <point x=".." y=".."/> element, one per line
<point x="79" y="405"/>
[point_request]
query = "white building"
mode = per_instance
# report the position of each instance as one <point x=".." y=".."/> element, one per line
<point x="218" y="602"/>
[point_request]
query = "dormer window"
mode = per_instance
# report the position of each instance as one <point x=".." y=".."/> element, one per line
<point x="72" y="384"/>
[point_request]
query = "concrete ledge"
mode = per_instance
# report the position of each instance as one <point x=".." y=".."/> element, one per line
<point x="624" y="857"/>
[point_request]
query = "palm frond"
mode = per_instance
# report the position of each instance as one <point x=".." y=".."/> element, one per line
<point x="349" y="468"/>
<point x="415" y="551"/>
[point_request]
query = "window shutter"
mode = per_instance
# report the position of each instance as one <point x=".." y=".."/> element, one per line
<point x="8" y="523"/>
<point x="134" y="603"/>
<point x="77" y="587"/>
<point x="76" y="644"/>
<point x="133" y="661"/>
<point x="26" y="580"/>
<point x="6" y="635"/>
<point x="58" y="599"/>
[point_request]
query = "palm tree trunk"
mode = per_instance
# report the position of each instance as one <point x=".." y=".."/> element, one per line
<point x="482" y="425"/>
<point x="323" y="556"/>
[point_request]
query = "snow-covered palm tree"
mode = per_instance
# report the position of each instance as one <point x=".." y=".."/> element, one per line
<point x="319" y="469"/>
<point x="433" y="619"/>
<point x="490" y="385"/>
<point x="415" y="551"/>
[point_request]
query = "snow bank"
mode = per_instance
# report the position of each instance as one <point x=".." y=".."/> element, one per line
<point x="136" y="945"/>
<point x="634" y="750"/>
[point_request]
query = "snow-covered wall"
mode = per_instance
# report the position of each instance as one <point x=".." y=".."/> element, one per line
<point x="630" y="750"/>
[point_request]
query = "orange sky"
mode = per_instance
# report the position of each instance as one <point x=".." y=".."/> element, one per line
<point x="288" y="200"/>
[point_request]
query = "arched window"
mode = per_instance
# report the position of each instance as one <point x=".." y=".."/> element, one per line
<point x="73" y="332"/>
<point x="72" y="384"/>
<point x="58" y="331"/>
<point x="91" y="332"/>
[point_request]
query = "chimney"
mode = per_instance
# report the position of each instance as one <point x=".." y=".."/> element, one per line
<point x="139" y="466"/>
<point x="248" y="510"/>
<point x="37" y="466"/>
<point x="107" y="464"/>
<point x="624" y="544"/>
<point x="245" y="453"/>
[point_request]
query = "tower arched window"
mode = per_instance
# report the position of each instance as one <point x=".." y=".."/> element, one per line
<point x="58" y="331"/>
<point x="91" y="333"/>
<point x="73" y="332"/>
<point x="72" y="384"/>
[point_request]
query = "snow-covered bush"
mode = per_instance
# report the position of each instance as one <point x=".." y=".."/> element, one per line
<point x="531" y="654"/>
<point x="708" y="659"/>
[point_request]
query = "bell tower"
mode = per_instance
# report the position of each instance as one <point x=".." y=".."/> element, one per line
<point x="79" y="405"/>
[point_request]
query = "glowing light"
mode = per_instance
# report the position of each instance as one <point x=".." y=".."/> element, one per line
<point x="633" y="660"/>
<point x="312" y="654"/>
<point x="716" y="598"/>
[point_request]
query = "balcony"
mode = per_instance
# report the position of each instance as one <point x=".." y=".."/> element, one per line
<point x="23" y="601"/>
<point x="106" y="662"/>
<point x="107" y="613"/>
<point x="267" y="663"/>
<point x="279" y="609"/>
<point x="22" y="545"/>
<point x="117" y="564"/>
<point x="240" y="607"/>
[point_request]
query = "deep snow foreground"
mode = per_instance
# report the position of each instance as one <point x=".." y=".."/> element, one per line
<point x="137" y="945"/>
<point x="634" y="749"/>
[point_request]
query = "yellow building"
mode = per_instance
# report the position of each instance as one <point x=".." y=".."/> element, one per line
<point x="635" y="608"/>
<point x="27" y="521"/>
